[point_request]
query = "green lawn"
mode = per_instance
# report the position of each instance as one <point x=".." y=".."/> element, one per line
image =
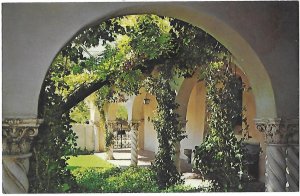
<point x="87" y="161"/>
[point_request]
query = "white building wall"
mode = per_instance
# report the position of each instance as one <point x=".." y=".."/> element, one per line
<point x="195" y="119"/>
<point x="85" y="133"/>
<point x="150" y="135"/>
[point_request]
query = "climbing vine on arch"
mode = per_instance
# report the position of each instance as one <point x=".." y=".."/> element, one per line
<point x="167" y="125"/>
<point x="221" y="156"/>
<point x="131" y="52"/>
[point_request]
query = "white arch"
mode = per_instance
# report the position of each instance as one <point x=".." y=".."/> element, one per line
<point x="46" y="39"/>
<point x="245" y="56"/>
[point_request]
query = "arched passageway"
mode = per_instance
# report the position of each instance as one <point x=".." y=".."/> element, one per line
<point x="248" y="46"/>
<point x="144" y="113"/>
<point x="192" y="99"/>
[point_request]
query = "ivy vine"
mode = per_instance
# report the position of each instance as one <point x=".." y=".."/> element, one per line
<point x="221" y="157"/>
<point x="168" y="130"/>
<point x="56" y="140"/>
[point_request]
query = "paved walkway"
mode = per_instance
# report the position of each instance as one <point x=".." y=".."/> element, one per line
<point x="122" y="159"/>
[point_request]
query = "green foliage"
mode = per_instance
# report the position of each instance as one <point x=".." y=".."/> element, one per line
<point x="109" y="138"/>
<point x="80" y="113"/>
<point x="48" y="172"/>
<point x="121" y="113"/>
<point x="133" y="47"/>
<point x="181" y="188"/>
<point x="136" y="45"/>
<point x="150" y="35"/>
<point x="116" y="180"/>
<point x="220" y="157"/>
<point x="93" y="180"/>
<point x="168" y="130"/>
<point x="132" y="180"/>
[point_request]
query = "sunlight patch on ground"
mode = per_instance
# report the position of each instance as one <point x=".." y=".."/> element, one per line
<point x="88" y="161"/>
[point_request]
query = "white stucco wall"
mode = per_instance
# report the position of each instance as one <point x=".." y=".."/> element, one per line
<point x="150" y="135"/>
<point x="195" y="119"/>
<point x="85" y="133"/>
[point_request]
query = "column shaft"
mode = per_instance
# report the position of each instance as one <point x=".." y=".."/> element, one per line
<point x="182" y="126"/>
<point x="14" y="173"/>
<point x="275" y="168"/>
<point x="292" y="162"/>
<point x="292" y="158"/>
<point x="177" y="156"/>
<point x="17" y="137"/>
<point x="134" y="142"/>
<point x="109" y="150"/>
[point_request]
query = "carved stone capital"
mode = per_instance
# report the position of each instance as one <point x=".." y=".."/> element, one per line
<point x="292" y="128"/>
<point x="272" y="129"/>
<point x="18" y="134"/>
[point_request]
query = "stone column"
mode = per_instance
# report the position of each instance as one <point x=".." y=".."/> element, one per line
<point x="275" y="153"/>
<point x="177" y="156"/>
<point x="141" y="135"/>
<point x="182" y="125"/>
<point x="95" y="122"/>
<point x="134" y="125"/>
<point x="292" y="156"/>
<point x="17" y="135"/>
<point x="109" y="151"/>
<point x="96" y="125"/>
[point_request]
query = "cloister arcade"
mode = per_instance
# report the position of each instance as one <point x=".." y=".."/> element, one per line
<point x="193" y="116"/>
<point x="262" y="37"/>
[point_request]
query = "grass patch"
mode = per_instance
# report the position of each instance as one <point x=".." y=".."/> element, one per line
<point x="86" y="161"/>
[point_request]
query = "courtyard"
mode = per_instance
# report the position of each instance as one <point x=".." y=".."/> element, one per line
<point x="179" y="97"/>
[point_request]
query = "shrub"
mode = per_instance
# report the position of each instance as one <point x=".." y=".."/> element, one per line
<point x="92" y="180"/>
<point x="132" y="180"/>
<point x="129" y="180"/>
<point x="181" y="188"/>
<point x="113" y="180"/>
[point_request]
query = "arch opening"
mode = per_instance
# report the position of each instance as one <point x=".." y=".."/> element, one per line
<point x="243" y="54"/>
<point x="96" y="89"/>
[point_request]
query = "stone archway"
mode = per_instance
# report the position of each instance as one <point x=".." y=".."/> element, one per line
<point x="201" y="15"/>
<point x="191" y="97"/>
<point x="141" y="114"/>
<point x="17" y="72"/>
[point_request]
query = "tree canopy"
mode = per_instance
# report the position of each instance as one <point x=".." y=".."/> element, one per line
<point x="122" y="51"/>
